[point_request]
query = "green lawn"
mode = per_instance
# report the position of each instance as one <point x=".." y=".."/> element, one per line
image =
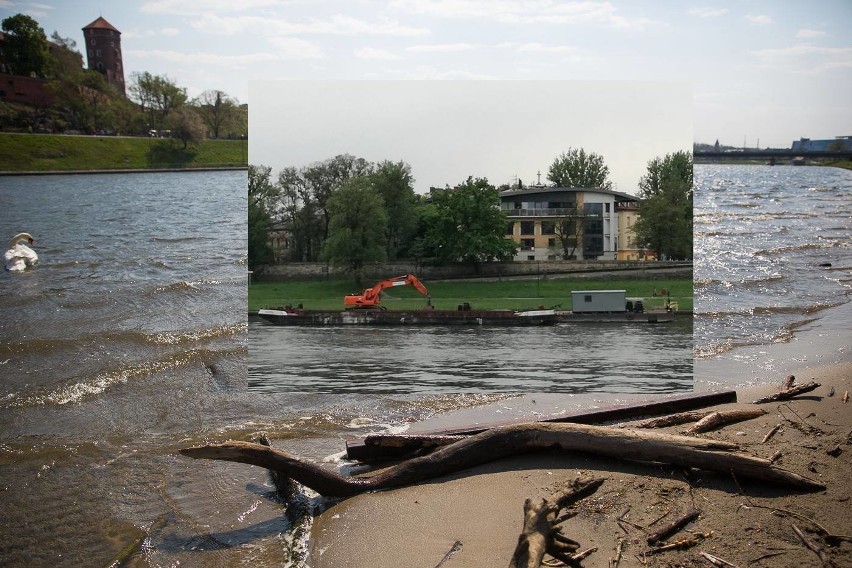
<point x="447" y="295"/>
<point x="45" y="152"/>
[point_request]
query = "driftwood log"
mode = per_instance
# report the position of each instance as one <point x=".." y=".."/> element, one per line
<point x="788" y="393"/>
<point x="541" y="533"/>
<point x="722" y="417"/>
<point x="498" y="443"/>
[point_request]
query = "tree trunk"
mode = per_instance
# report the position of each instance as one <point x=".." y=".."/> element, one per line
<point x="511" y="440"/>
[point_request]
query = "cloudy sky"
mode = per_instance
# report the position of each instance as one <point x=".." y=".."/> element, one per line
<point x="761" y="71"/>
<point x="449" y="130"/>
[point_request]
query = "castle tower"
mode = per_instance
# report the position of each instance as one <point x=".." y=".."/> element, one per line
<point x="103" y="50"/>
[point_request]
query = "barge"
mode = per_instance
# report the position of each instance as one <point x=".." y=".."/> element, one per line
<point x="470" y="318"/>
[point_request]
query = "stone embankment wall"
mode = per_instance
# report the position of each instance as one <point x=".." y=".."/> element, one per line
<point x="573" y="269"/>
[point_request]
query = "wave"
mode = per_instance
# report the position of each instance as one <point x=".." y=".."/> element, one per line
<point x="82" y="388"/>
<point x="52" y="346"/>
<point x="794" y="248"/>
<point x="179" y="337"/>
<point x="744" y="283"/>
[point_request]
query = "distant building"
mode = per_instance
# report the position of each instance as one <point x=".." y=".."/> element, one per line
<point x="591" y="223"/>
<point x="103" y="52"/>
<point x="26" y="89"/>
<point x="808" y="145"/>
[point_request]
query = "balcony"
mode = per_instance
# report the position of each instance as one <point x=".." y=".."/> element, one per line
<point x="540" y="212"/>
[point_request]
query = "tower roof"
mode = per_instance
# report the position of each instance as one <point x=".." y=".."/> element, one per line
<point x="101" y="24"/>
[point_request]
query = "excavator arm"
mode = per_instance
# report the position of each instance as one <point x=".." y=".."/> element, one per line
<point x="370" y="298"/>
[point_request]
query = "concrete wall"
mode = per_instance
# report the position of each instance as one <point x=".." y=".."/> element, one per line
<point x="632" y="269"/>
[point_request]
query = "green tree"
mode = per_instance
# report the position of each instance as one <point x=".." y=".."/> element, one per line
<point x="357" y="227"/>
<point x="217" y="110"/>
<point x="665" y="214"/>
<point x="466" y="224"/>
<point x="575" y="168"/>
<point x="26" y="46"/>
<point x="186" y="126"/>
<point x="393" y="181"/>
<point x="261" y="198"/>
<point x="305" y="193"/>
<point x="158" y="96"/>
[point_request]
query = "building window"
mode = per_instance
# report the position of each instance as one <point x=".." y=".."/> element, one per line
<point x="530" y="257"/>
<point x="587" y="298"/>
<point x="98" y="52"/>
<point x="527" y="244"/>
<point x="551" y="243"/>
<point x="606" y="207"/>
<point x="548" y="228"/>
<point x="510" y="228"/>
<point x="93" y="41"/>
<point x="527" y="227"/>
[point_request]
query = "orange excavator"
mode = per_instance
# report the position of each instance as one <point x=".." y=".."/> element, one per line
<point x="371" y="296"/>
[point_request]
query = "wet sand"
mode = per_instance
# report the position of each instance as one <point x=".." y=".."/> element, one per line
<point x="482" y="508"/>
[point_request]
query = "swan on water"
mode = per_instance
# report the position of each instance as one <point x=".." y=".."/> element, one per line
<point x="20" y="256"/>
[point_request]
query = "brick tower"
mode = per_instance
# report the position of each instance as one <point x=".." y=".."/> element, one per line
<point x="103" y="50"/>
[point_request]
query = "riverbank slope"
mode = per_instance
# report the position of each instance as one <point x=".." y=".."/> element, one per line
<point x="43" y="153"/>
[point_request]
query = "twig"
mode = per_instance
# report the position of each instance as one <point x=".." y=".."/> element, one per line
<point x="830" y="538"/>
<point x="716" y="561"/>
<point x="767" y="555"/>
<point x="817" y="549"/>
<point x="684" y="543"/>
<point x="619" y="548"/>
<point x="737" y="483"/>
<point x="455" y="548"/>
<point x="660" y="518"/>
<point x="673" y="527"/>
<point x="771" y="433"/>
<point x="845" y="397"/>
<point x="580" y="555"/>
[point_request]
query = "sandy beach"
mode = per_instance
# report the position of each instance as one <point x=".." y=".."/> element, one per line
<point x="482" y="508"/>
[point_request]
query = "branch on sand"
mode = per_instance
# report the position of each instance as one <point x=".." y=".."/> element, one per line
<point x="788" y="393"/>
<point x="542" y="532"/>
<point x="507" y="441"/>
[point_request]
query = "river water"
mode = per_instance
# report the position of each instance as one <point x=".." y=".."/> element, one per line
<point x="129" y="341"/>
<point x="567" y="358"/>
<point x="773" y="265"/>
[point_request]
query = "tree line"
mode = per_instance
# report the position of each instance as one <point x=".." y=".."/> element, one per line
<point x="85" y="102"/>
<point x="351" y="212"/>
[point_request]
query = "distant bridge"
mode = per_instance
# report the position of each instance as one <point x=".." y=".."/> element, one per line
<point x="784" y="154"/>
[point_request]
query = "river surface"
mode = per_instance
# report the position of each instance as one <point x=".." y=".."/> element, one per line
<point x="129" y="341"/>
<point x="567" y="358"/>
<point x="773" y="263"/>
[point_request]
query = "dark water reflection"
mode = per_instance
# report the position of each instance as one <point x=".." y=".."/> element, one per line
<point x="585" y="358"/>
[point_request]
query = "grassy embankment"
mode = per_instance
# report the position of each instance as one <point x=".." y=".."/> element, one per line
<point x="447" y="295"/>
<point x="45" y="152"/>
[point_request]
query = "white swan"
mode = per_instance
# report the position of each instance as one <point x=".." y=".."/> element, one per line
<point x="20" y="256"/>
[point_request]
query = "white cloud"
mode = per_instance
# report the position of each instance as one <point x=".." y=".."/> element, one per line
<point x="377" y="54"/>
<point x="708" y="12"/>
<point x="759" y="20"/>
<point x="809" y="34"/>
<point x="195" y="8"/>
<point x="442" y="48"/>
<point x="335" y="25"/>
<point x="229" y="61"/>
<point x="524" y="12"/>
<point x="169" y="31"/>
<point x="807" y="59"/>
<point x="540" y="48"/>
<point x="294" y="48"/>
